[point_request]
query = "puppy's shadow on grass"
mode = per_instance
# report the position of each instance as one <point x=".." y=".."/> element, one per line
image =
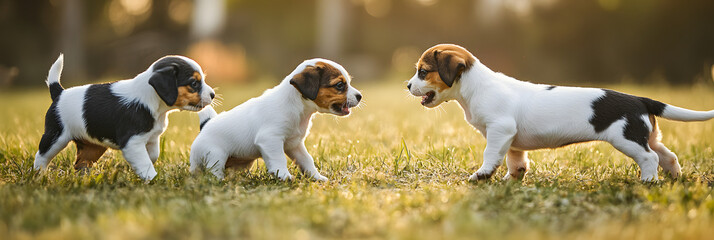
<point x="254" y="178"/>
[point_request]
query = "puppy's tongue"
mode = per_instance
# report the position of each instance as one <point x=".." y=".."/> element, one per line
<point x="345" y="109"/>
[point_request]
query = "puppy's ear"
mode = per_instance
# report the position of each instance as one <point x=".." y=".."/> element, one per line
<point x="308" y="81"/>
<point x="165" y="83"/>
<point x="450" y="66"/>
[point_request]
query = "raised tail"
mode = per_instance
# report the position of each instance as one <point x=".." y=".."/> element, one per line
<point x="205" y="115"/>
<point x="676" y="113"/>
<point x="53" y="78"/>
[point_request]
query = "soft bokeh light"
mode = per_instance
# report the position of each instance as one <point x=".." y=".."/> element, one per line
<point x="555" y="41"/>
<point x="180" y="11"/>
<point x="377" y="8"/>
<point x="136" y="7"/>
<point x="124" y="15"/>
<point x="404" y="58"/>
<point x="221" y="63"/>
<point x="427" y="2"/>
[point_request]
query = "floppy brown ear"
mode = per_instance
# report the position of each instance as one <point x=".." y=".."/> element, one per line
<point x="165" y="83"/>
<point x="308" y="81"/>
<point x="450" y="66"/>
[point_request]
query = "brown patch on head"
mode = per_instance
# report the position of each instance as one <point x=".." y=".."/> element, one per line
<point x="328" y="95"/>
<point x="319" y="84"/>
<point x="187" y="96"/>
<point x="444" y="64"/>
<point x="197" y="76"/>
<point x="87" y="154"/>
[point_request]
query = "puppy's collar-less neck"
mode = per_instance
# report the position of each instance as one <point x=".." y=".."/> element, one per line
<point x="471" y="83"/>
<point x="138" y="90"/>
<point x="304" y="107"/>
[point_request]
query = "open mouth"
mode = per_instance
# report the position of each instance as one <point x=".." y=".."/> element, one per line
<point x="341" y="109"/>
<point x="428" y="98"/>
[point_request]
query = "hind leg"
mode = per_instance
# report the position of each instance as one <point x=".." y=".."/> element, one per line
<point x="208" y="157"/>
<point x="643" y="156"/>
<point x="517" y="163"/>
<point x="152" y="147"/>
<point x="50" y="145"/>
<point x="87" y="154"/>
<point x="667" y="159"/>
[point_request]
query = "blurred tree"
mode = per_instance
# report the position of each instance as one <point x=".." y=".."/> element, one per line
<point x="551" y="41"/>
<point x="330" y="25"/>
<point x="72" y="41"/>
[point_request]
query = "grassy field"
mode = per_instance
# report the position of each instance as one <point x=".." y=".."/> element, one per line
<point x="396" y="170"/>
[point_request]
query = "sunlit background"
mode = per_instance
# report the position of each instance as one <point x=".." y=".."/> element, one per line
<point x="238" y="41"/>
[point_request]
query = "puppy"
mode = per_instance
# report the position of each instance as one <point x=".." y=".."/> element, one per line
<point x="517" y="116"/>
<point x="128" y="115"/>
<point x="275" y="123"/>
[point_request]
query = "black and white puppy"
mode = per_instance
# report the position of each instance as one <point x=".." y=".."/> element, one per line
<point x="128" y="115"/>
<point x="517" y="116"/>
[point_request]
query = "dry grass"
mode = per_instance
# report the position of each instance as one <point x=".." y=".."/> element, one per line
<point x="397" y="170"/>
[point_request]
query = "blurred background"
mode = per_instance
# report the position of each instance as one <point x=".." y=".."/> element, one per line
<point x="584" y="42"/>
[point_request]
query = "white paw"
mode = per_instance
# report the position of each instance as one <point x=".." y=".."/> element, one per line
<point x="283" y="174"/>
<point x="218" y="173"/>
<point x="286" y="177"/>
<point x="319" y="177"/>
<point x="481" y="174"/>
<point x="650" y="178"/>
<point x="148" y="175"/>
<point x="506" y="177"/>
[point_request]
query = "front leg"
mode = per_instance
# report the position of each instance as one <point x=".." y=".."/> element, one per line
<point x="271" y="149"/>
<point x="152" y="147"/>
<point x="303" y="159"/>
<point x="135" y="153"/>
<point x="499" y="137"/>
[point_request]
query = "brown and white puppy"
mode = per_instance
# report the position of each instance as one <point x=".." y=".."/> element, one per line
<point x="129" y="115"/>
<point x="517" y="116"/>
<point x="275" y="123"/>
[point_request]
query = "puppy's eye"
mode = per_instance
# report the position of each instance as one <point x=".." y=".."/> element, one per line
<point x="340" y="86"/>
<point x="195" y="85"/>
<point x="422" y="73"/>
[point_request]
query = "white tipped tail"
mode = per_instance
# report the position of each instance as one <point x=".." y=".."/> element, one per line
<point x="53" y="78"/>
<point x="206" y="114"/>
<point x="683" y="114"/>
<point x="55" y="71"/>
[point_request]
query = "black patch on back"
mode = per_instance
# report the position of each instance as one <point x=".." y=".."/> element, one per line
<point x="653" y="106"/>
<point x="550" y="87"/>
<point x="614" y="106"/>
<point x="55" y="91"/>
<point x="106" y="118"/>
<point x="53" y="129"/>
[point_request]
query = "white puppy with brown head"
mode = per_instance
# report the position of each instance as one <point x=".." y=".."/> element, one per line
<point x="275" y="123"/>
<point x="517" y="116"/>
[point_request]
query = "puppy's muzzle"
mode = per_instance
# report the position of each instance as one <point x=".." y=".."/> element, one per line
<point x="344" y="108"/>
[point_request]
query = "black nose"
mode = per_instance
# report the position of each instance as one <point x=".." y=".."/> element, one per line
<point x="213" y="95"/>
<point x="409" y="86"/>
<point x="359" y="97"/>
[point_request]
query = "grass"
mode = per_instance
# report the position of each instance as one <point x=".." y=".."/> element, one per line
<point x="396" y="170"/>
